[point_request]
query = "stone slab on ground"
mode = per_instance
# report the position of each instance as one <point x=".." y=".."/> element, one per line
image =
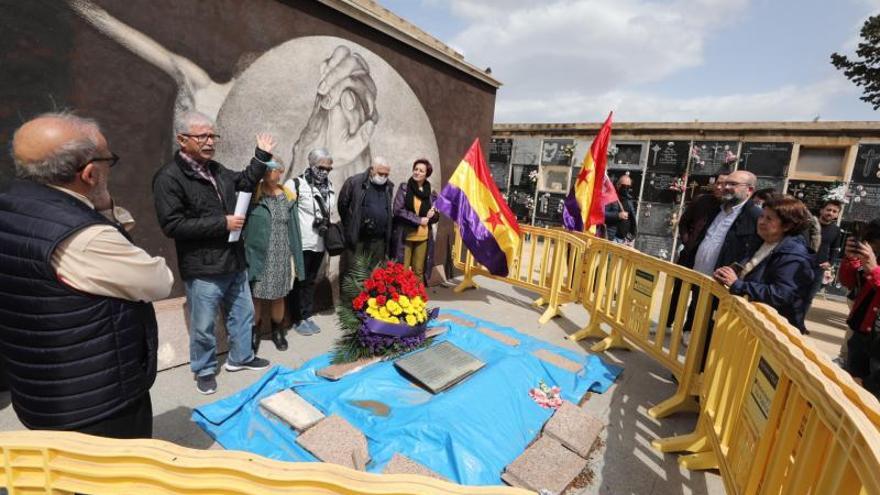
<point x="292" y="409"/>
<point x="499" y="336"/>
<point x="557" y="360"/>
<point x="574" y="428"/>
<point x="336" y="371"/>
<point x="401" y="464"/>
<point x="335" y="440"/>
<point x="435" y="331"/>
<point x="545" y="465"/>
<point x="458" y="321"/>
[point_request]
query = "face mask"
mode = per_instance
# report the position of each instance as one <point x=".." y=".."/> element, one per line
<point x="272" y="164"/>
<point x="379" y="180"/>
<point x="320" y="173"/>
<point x="625" y="189"/>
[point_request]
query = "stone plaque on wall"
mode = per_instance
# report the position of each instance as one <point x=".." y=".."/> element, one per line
<point x="867" y="166"/>
<point x="712" y="157"/>
<point x="526" y="151"/>
<point x="658" y="246"/>
<point x="766" y="159"/>
<point x="668" y="156"/>
<point x="654" y="218"/>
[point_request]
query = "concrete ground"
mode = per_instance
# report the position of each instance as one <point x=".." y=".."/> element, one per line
<point x="624" y="464"/>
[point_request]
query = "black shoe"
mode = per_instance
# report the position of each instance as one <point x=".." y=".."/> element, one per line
<point x="278" y="337"/>
<point x="254" y="364"/>
<point x="255" y="339"/>
<point x="206" y="385"/>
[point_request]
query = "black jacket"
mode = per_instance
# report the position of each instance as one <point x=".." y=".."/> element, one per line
<point x="191" y="213"/>
<point x="782" y="280"/>
<point x="71" y="358"/>
<point x="740" y="243"/>
<point x="614" y="226"/>
<point x="351" y="205"/>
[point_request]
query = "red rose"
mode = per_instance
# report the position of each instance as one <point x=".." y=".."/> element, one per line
<point x="381" y="300"/>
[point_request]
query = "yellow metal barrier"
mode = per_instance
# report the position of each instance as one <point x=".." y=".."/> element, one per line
<point x="57" y="463"/>
<point x="771" y="421"/>
<point x="860" y="397"/>
<point x="623" y="289"/>
<point x="548" y="263"/>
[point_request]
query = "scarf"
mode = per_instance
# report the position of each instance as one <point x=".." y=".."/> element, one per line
<point x="423" y="193"/>
<point x="319" y="181"/>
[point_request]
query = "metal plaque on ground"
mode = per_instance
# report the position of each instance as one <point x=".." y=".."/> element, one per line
<point x="439" y="367"/>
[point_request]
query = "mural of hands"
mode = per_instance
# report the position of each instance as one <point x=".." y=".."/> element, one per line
<point x="344" y="115"/>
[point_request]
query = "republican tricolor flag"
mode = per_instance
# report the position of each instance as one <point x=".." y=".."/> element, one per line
<point x="585" y="205"/>
<point x="471" y="199"/>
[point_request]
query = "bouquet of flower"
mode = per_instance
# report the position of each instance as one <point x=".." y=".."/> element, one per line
<point x="387" y="315"/>
<point x="546" y="396"/>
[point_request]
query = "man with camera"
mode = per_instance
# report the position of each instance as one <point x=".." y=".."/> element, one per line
<point x="366" y="213"/>
<point x="316" y="199"/>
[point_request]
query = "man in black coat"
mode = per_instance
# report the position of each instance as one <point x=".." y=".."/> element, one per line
<point x="195" y="200"/>
<point x="365" y="210"/>
<point x="620" y="215"/>
<point x="730" y="234"/>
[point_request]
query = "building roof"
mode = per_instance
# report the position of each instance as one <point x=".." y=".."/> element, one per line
<point x="860" y="128"/>
<point x="374" y="15"/>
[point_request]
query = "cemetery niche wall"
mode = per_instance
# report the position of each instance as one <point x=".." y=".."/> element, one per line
<point x="671" y="164"/>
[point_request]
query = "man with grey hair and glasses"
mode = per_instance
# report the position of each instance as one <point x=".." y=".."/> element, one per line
<point x="195" y="200"/>
<point x="78" y="336"/>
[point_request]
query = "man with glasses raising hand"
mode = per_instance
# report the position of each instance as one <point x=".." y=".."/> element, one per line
<point x="195" y="199"/>
<point x="78" y="335"/>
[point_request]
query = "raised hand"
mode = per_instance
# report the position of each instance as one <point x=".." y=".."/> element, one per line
<point x="265" y="142"/>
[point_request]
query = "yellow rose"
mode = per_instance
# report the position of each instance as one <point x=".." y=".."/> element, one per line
<point x="383" y="312"/>
<point x="372" y="312"/>
<point x="371" y="303"/>
<point x="394" y="320"/>
<point x="411" y="320"/>
<point x="404" y="301"/>
<point x="418" y="302"/>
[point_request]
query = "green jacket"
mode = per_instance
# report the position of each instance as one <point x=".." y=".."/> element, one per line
<point x="256" y="236"/>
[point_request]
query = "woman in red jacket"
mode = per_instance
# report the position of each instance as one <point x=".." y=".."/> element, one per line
<point x="860" y="272"/>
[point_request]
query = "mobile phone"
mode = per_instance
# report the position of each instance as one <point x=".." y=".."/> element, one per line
<point x="857" y="232"/>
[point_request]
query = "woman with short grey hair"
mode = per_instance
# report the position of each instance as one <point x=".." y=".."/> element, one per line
<point x="317" y="199"/>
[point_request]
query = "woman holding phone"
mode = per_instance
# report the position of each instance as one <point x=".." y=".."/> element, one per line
<point x="781" y="271"/>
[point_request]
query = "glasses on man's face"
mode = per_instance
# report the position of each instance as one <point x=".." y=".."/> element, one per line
<point x="203" y="138"/>
<point x="113" y="159"/>
<point x="732" y="184"/>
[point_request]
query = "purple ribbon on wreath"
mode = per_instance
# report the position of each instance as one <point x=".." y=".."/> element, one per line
<point x="377" y="335"/>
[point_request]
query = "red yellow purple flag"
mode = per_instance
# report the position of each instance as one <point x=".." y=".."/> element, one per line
<point x="487" y="226"/>
<point x="585" y="205"/>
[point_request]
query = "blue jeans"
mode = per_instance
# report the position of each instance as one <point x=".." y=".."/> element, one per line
<point x="204" y="296"/>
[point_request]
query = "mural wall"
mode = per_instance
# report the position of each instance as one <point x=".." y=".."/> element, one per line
<point x="301" y="70"/>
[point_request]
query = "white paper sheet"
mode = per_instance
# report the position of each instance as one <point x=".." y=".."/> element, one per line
<point x="242" y="201"/>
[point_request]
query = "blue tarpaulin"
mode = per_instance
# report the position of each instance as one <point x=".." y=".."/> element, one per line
<point x="467" y="433"/>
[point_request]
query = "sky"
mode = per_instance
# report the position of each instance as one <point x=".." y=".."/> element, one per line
<point x="656" y="60"/>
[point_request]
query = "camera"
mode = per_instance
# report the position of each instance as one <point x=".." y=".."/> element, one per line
<point x="320" y="226"/>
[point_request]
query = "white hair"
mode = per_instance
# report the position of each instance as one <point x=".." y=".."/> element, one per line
<point x="379" y="161"/>
<point x="60" y="165"/>
<point x="186" y="120"/>
<point x="319" y="155"/>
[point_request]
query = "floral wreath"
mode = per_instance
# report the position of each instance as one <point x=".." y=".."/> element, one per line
<point x="387" y="314"/>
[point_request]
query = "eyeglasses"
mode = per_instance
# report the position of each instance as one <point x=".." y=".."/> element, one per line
<point x="732" y="184"/>
<point x="113" y="159"/>
<point x="203" y="138"/>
